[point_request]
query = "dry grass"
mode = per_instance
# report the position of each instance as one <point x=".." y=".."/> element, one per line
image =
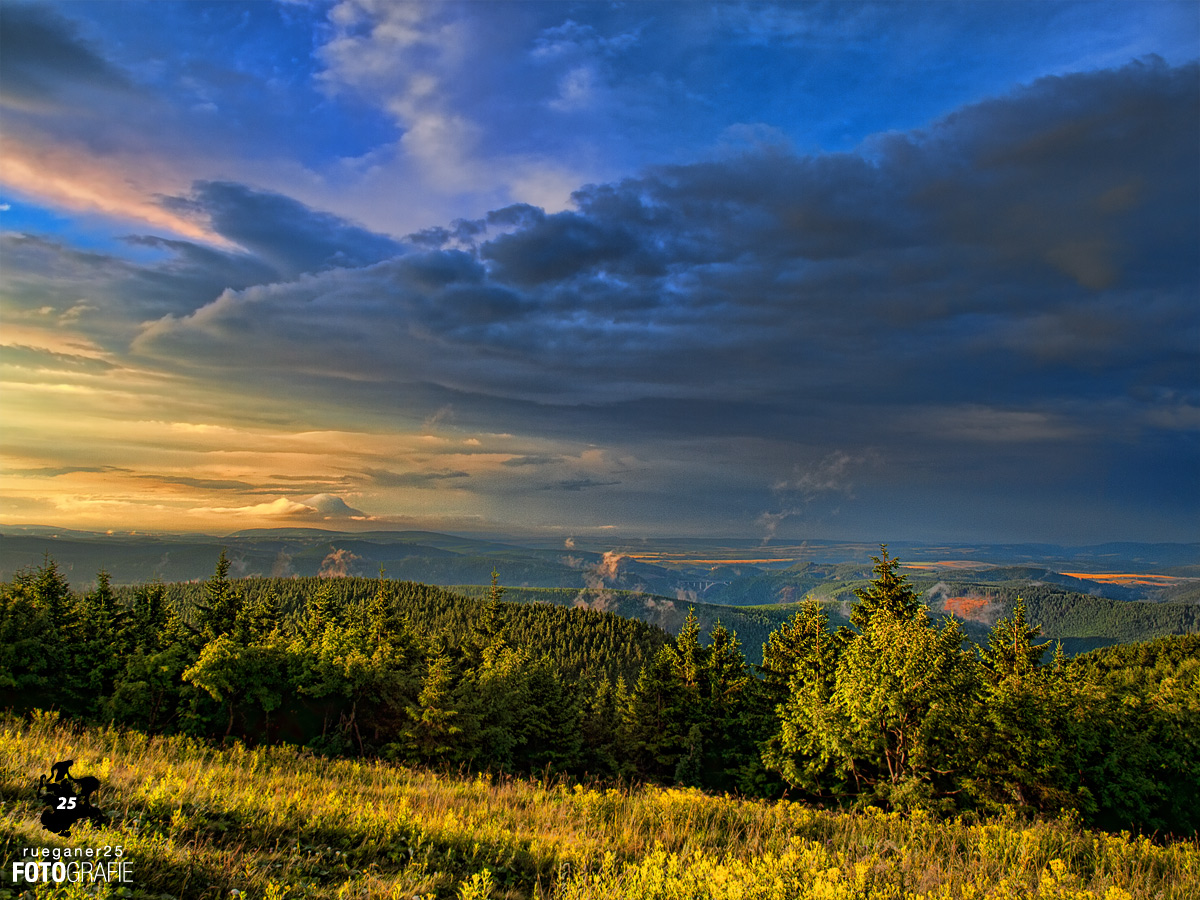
<point x="276" y="823"/>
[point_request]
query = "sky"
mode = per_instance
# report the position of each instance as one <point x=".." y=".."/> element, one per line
<point x="873" y="271"/>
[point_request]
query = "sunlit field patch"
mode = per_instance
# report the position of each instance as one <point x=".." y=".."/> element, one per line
<point x="978" y="609"/>
<point x="1126" y="578"/>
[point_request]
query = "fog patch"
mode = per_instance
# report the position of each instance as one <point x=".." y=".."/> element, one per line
<point x="596" y="593"/>
<point x="282" y="566"/>
<point x="664" y="613"/>
<point x="971" y="606"/>
<point x="337" y="564"/>
<point x="598" y="599"/>
<point x="608" y="569"/>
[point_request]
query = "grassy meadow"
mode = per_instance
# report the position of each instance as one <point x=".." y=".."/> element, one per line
<point x="204" y="822"/>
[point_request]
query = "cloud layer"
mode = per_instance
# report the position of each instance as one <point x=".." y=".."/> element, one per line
<point x="985" y="326"/>
<point x="1017" y="265"/>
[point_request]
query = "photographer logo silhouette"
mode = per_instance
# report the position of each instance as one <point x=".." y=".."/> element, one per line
<point x="69" y="799"/>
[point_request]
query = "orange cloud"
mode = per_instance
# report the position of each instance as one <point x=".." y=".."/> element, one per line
<point x="70" y="177"/>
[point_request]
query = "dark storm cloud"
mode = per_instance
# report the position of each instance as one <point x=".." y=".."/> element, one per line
<point x="1052" y="229"/>
<point x="385" y="478"/>
<point x="997" y="292"/>
<point x="108" y="297"/>
<point x="45" y="60"/>
<point x="281" y="239"/>
<point x="1032" y="247"/>
<point x="577" y="484"/>
<point x="285" y="233"/>
<point x="554" y="248"/>
<point x="518" y="461"/>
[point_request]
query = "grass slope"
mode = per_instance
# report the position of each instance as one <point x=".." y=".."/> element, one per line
<point x="199" y="822"/>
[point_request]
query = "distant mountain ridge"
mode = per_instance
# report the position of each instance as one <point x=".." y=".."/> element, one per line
<point x="670" y="566"/>
<point x="750" y="588"/>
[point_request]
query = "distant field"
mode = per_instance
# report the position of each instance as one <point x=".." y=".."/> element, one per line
<point x="1143" y="579"/>
<point x="663" y="559"/>
<point x="948" y="564"/>
<point x="714" y="556"/>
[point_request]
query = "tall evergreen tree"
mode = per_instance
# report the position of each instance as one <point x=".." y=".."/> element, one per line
<point x="319" y="612"/>
<point x="600" y="726"/>
<point x="100" y="643"/>
<point x="883" y="728"/>
<point x="730" y="744"/>
<point x="1010" y="648"/>
<point x="29" y="645"/>
<point x="888" y="591"/>
<point x="903" y="690"/>
<point x="432" y="732"/>
<point x="657" y="718"/>
<point x="218" y="611"/>
<point x="799" y="666"/>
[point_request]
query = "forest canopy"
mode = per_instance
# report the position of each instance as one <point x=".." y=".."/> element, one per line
<point x="896" y="709"/>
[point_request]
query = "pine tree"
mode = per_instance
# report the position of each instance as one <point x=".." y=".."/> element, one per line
<point x="432" y="732"/>
<point x="258" y="618"/>
<point x="152" y="620"/>
<point x="689" y="655"/>
<point x="903" y="690"/>
<point x="599" y="726"/>
<point x="51" y="590"/>
<point x="100" y="643"/>
<point x="149" y="687"/>
<point x="67" y="657"/>
<point x="799" y="665"/>
<point x="320" y="612"/>
<point x="218" y="611"/>
<point x="29" y="659"/>
<point x="658" y="717"/>
<point x="876" y="713"/>
<point x="889" y="591"/>
<point x="1011" y="649"/>
<point x="1017" y="752"/>
<point x="493" y="697"/>
<point x="689" y="772"/>
<point x="550" y="721"/>
<point x="730" y="745"/>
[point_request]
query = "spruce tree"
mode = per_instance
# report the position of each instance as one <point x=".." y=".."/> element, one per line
<point x="888" y="591"/>
<point x="218" y="611"/>
<point x="100" y="643"/>
<point x="730" y="742"/>
<point x="658" y="717"/>
<point x="799" y="675"/>
<point x="1011" y="649"/>
<point x="1015" y="740"/>
<point x="432" y="732"/>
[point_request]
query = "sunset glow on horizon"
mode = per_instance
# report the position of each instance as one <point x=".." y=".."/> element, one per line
<point x="865" y="271"/>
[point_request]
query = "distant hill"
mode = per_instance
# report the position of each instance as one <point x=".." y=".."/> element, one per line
<point x="733" y="571"/>
<point x="750" y="587"/>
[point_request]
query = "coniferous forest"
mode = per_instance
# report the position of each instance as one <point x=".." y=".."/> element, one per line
<point x="896" y="710"/>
